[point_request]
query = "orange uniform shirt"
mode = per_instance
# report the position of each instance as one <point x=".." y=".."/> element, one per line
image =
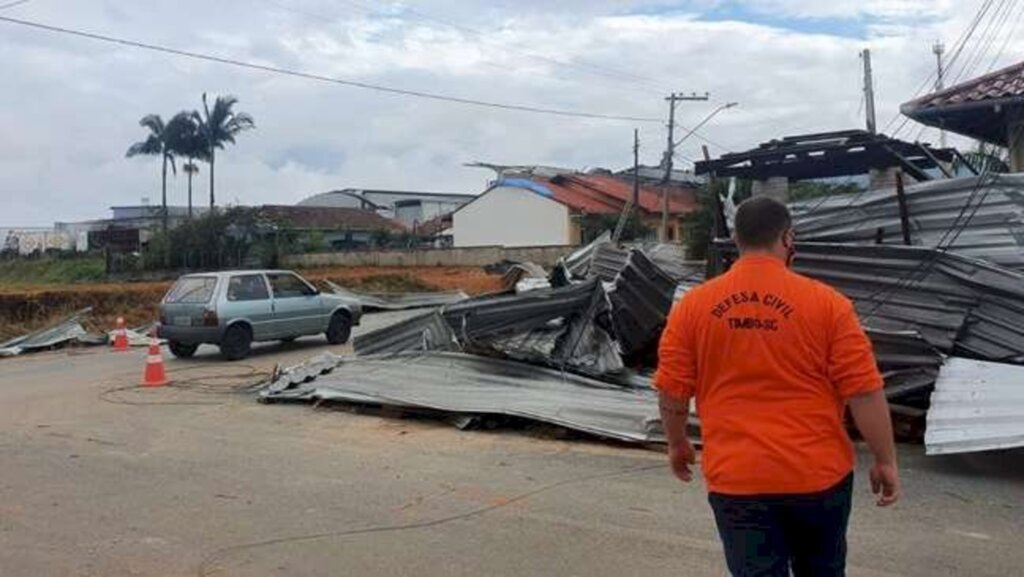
<point x="771" y="357"/>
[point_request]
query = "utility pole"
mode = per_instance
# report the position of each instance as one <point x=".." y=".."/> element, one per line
<point x="636" y="166"/>
<point x="670" y="150"/>
<point x="940" y="83"/>
<point x="869" y="92"/>
<point x="635" y="199"/>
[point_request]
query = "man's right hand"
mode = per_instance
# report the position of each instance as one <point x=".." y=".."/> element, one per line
<point x="681" y="456"/>
<point x="885" y="482"/>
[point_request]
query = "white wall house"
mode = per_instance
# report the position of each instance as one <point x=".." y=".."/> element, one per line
<point x="512" y="216"/>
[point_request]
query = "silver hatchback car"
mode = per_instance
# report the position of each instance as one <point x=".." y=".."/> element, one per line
<point x="233" y="309"/>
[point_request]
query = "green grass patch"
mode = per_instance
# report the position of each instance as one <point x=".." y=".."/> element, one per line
<point x="52" y="271"/>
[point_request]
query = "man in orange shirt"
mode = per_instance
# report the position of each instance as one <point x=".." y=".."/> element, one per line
<point x="773" y="359"/>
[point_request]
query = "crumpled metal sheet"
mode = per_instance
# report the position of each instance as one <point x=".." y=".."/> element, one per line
<point x="505" y="315"/>
<point x="519" y="272"/>
<point x="426" y="332"/>
<point x="67" y="330"/>
<point x="473" y="385"/>
<point x="607" y="260"/>
<point x="671" y="259"/>
<point x="960" y="305"/>
<point x="976" y="406"/>
<point x="578" y="263"/>
<point x="398" y="301"/>
<point x="641" y="298"/>
<point x="994" y="203"/>
<point x="305" y="371"/>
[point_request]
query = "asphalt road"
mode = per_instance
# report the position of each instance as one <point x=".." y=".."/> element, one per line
<point x="98" y="478"/>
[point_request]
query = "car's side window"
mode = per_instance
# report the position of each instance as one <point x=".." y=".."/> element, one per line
<point x="247" y="287"/>
<point x="288" y="285"/>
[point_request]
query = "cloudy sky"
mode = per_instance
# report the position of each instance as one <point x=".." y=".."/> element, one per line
<point x="69" y="107"/>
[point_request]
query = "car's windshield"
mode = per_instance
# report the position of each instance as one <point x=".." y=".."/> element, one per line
<point x="192" y="290"/>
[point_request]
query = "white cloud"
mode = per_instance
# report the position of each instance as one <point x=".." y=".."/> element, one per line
<point x="70" y="107"/>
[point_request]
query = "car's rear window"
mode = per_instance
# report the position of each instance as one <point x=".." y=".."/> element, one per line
<point x="192" y="290"/>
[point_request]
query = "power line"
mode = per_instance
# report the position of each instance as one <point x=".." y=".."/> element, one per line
<point x="1006" y="41"/>
<point x="958" y="48"/>
<point x="13" y="4"/>
<point x="309" y="76"/>
<point x="993" y="28"/>
<point x="487" y="36"/>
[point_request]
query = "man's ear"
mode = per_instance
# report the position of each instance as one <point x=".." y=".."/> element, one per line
<point x="788" y="239"/>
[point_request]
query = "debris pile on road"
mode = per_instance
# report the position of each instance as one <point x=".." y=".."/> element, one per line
<point x="68" y="331"/>
<point x="568" y="352"/>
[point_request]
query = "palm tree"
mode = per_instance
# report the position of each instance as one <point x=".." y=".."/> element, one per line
<point x="157" y="142"/>
<point x="191" y="169"/>
<point x="187" y="142"/>
<point x="219" y="126"/>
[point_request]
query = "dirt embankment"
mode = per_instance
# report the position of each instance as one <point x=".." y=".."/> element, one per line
<point x="24" y="309"/>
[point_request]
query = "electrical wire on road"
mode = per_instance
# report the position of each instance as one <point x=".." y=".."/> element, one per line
<point x="246" y="380"/>
<point x="437" y="96"/>
<point x="207" y="566"/>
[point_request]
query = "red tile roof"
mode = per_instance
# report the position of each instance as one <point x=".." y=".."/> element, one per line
<point x="603" y="194"/>
<point x="1001" y="84"/>
<point x="328" y="218"/>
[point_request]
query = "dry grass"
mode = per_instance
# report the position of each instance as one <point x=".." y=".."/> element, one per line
<point x="24" y="309"/>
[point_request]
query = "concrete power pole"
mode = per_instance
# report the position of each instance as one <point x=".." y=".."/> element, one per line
<point x="940" y="82"/>
<point x="869" y="92"/>
<point x="670" y="150"/>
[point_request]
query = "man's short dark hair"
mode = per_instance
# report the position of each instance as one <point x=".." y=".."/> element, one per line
<point x="760" y="221"/>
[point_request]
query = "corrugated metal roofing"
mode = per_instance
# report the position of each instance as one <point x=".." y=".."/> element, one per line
<point x="398" y="301"/>
<point x="976" y="406"/>
<point x="426" y="332"/>
<point x="990" y="211"/>
<point x="473" y="385"/>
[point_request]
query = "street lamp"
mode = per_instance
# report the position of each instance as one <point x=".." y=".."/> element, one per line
<point x="707" y="119"/>
<point x="664" y="192"/>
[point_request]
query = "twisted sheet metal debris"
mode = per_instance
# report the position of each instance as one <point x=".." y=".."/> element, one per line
<point x="474" y="385"/>
<point x="426" y="332"/>
<point x="976" y="406"/>
<point x="305" y="371"/>
<point x="991" y="206"/>
<point x="398" y="301"/>
<point x="641" y="297"/>
<point x="65" y="331"/>
<point x="578" y="263"/>
<point x="508" y="314"/>
<point x="960" y="305"/>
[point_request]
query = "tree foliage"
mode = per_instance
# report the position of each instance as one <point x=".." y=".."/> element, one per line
<point x="218" y="127"/>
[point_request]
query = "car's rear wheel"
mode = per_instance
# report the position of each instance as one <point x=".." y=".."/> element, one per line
<point x="236" y="342"/>
<point x="182" y="350"/>
<point x="340" y="329"/>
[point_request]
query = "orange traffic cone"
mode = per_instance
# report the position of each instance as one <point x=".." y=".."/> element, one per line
<point x="120" y="336"/>
<point x="154" y="375"/>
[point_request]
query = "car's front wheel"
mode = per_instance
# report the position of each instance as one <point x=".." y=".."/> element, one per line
<point x="182" y="350"/>
<point x="236" y="342"/>
<point x="340" y="329"/>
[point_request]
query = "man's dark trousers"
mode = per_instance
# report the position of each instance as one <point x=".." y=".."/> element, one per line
<point x="764" y="535"/>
